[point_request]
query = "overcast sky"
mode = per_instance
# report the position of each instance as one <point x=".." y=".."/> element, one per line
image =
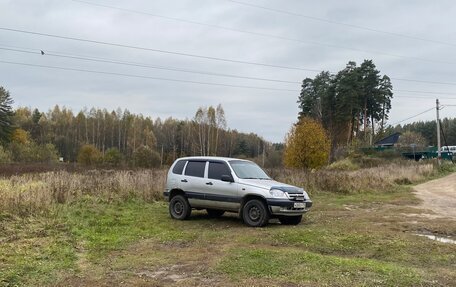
<point x="298" y="41"/>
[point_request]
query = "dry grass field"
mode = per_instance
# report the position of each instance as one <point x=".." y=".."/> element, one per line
<point x="31" y="193"/>
<point x="110" y="228"/>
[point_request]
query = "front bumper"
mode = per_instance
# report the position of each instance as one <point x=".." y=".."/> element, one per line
<point x="287" y="207"/>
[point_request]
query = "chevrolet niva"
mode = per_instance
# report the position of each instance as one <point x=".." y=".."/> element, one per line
<point x="220" y="184"/>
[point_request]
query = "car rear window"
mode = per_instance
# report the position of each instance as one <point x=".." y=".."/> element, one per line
<point x="179" y="167"/>
<point x="195" y="168"/>
<point x="217" y="169"/>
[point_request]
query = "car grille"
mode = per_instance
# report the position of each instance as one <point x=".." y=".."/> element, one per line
<point x="296" y="196"/>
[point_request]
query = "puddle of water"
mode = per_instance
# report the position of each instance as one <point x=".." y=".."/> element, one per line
<point x="439" y="239"/>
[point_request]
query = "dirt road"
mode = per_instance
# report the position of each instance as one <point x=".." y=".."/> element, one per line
<point x="439" y="195"/>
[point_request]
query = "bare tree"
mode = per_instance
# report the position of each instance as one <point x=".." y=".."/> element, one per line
<point x="220" y="123"/>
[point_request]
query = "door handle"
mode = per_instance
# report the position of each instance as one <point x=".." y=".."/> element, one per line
<point x="184" y="180"/>
<point x="209" y="183"/>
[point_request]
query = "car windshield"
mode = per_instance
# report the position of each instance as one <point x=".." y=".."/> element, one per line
<point x="248" y="170"/>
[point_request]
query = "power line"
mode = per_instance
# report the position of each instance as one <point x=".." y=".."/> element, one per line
<point x="175" y="80"/>
<point x="112" y="61"/>
<point x="424" y="81"/>
<point x="263" y="34"/>
<point x="426" y="92"/>
<point x="414" y="116"/>
<point x="342" y="23"/>
<point x="198" y="56"/>
<point x="136" y="64"/>
<point x="422" y="97"/>
<point x="422" y="94"/>
<point x="156" y="50"/>
<point x="147" y="77"/>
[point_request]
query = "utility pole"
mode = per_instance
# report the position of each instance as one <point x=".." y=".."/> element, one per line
<point x="439" y="152"/>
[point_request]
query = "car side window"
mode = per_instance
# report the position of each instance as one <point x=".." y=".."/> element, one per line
<point x="195" y="168"/>
<point x="217" y="169"/>
<point x="179" y="167"/>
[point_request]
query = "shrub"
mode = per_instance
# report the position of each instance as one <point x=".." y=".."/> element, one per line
<point x="409" y="138"/>
<point x="89" y="155"/>
<point x="446" y="167"/>
<point x="146" y="157"/>
<point x="46" y="153"/>
<point x="372" y="161"/>
<point x="20" y="136"/>
<point x="344" y="164"/>
<point x="5" y="155"/>
<point x="112" y="157"/>
<point x="31" y="152"/>
<point x="306" y="145"/>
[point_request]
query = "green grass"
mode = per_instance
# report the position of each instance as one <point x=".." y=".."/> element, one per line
<point x="33" y="251"/>
<point x="106" y="227"/>
<point x="360" y="239"/>
<point x="298" y="266"/>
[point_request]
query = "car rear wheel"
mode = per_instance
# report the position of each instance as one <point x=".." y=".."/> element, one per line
<point x="215" y="212"/>
<point x="255" y="213"/>
<point x="179" y="208"/>
<point x="290" y="220"/>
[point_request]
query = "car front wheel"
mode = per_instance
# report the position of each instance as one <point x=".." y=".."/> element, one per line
<point x="179" y="208"/>
<point x="255" y="213"/>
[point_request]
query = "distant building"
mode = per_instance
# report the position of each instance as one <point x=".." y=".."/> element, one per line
<point x="389" y="141"/>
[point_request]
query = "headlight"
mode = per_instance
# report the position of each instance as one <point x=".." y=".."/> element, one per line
<point x="306" y="195"/>
<point x="277" y="193"/>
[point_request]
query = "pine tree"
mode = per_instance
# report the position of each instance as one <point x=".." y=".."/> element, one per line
<point x="348" y="104"/>
<point x="6" y="114"/>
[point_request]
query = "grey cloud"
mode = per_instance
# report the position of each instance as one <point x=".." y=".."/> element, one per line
<point x="268" y="113"/>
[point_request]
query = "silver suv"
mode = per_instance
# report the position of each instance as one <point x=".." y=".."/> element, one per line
<point x="220" y="184"/>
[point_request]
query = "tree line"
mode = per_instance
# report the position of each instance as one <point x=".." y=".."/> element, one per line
<point x="428" y="130"/>
<point x="126" y="133"/>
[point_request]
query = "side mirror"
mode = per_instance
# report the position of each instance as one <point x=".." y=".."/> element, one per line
<point x="227" y="178"/>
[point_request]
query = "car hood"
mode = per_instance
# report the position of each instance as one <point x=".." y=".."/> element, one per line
<point x="269" y="184"/>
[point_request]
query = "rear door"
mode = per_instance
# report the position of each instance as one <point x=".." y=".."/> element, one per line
<point x="175" y="176"/>
<point x="221" y="194"/>
<point x="193" y="182"/>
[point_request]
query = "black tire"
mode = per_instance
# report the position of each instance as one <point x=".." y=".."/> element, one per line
<point x="179" y="208"/>
<point x="214" y="213"/>
<point x="255" y="213"/>
<point x="290" y="220"/>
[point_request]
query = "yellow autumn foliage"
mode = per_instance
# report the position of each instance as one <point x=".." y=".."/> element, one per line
<point x="20" y="136"/>
<point x="306" y="145"/>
